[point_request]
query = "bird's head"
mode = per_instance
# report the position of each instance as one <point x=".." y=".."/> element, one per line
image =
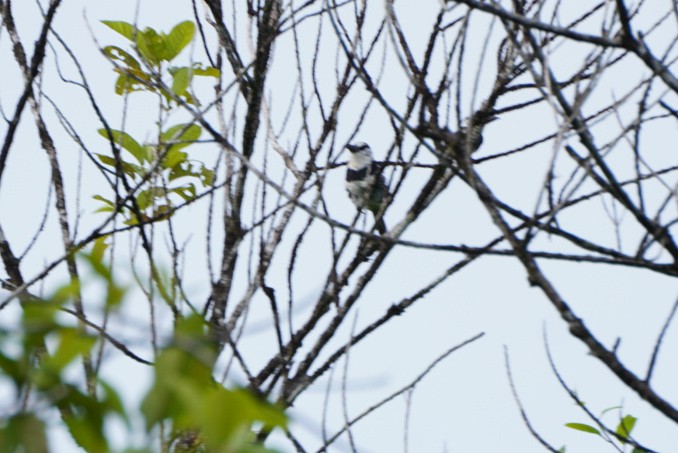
<point x="361" y="155"/>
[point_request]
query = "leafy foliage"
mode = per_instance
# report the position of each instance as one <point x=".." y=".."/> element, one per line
<point x="184" y="394"/>
<point x="622" y="431"/>
<point x="40" y="370"/>
<point x="156" y="166"/>
<point x="153" y="49"/>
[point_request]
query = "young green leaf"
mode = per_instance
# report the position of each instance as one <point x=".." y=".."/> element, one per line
<point x="117" y="54"/>
<point x="23" y="432"/>
<point x="125" y="84"/>
<point x="186" y="192"/>
<point x="126" y="141"/>
<point x="181" y="135"/>
<point x="72" y="343"/>
<point x="182" y="79"/>
<point x="124" y="28"/>
<point x="100" y="245"/>
<point x="173" y="158"/>
<point x="206" y="72"/>
<point x="206" y="176"/>
<point x="128" y="168"/>
<point x="583" y="427"/>
<point x="112" y="401"/>
<point x="626" y="426"/>
<point x="151" y="45"/>
<point x="178" y="38"/>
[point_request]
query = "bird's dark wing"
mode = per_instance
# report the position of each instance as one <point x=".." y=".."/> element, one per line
<point x="356" y="175"/>
<point x="377" y="170"/>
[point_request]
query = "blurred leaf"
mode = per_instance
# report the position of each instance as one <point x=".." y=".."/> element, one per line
<point x="15" y="369"/>
<point x="626" y="426"/>
<point x="23" y="433"/>
<point x="179" y="377"/>
<point x="226" y="414"/>
<point x="126" y="141"/>
<point x="182" y="79"/>
<point x="39" y="317"/>
<point x="124" y="28"/>
<point x="86" y="425"/>
<point x="112" y="401"/>
<point x="72" y="344"/>
<point x="180" y="36"/>
<point x="114" y="292"/>
<point x="583" y="427"/>
<point x="100" y="246"/>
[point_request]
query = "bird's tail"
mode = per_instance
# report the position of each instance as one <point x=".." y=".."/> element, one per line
<point x="380" y="226"/>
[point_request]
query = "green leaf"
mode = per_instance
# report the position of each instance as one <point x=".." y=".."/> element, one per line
<point x="126" y="141"/>
<point x="100" y="198"/>
<point x="126" y="84"/>
<point x="100" y="246"/>
<point x="72" y="343"/>
<point x="182" y="79"/>
<point x="186" y="192"/>
<point x="14" y="369"/>
<point x="626" y="426"/>
<point x="116" y="53"/>
<point x="180" y="36"/>
<point x="87" y="427"/>
<point x="613" y="408"/>
<point x="164" y="212"/>
<point x="206" y="72"/>
<point x="112" y="401"/>
<point x="151" y="46"/>
<point x="224" y="415"/>
<point x="181" y="135"/>
<point x="147" y="197"/>
<point x="124" y="28"/>
<point x="39" y="316"/>
<point x="583" y="427"/>
<point x="127" y="167"/>
<point x="173" y="158"/>
<point x="206" y="176"/>
<point x="180" y="171"/>
<point x="23" y="432"/>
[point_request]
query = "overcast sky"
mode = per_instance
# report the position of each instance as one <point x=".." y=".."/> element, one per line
<point x="465" y="404"/>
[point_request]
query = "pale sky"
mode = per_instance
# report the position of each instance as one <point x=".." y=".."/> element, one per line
<point x="465" y="404"/>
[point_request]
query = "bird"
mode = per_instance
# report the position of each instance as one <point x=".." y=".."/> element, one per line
<point x="365" y="183"/>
